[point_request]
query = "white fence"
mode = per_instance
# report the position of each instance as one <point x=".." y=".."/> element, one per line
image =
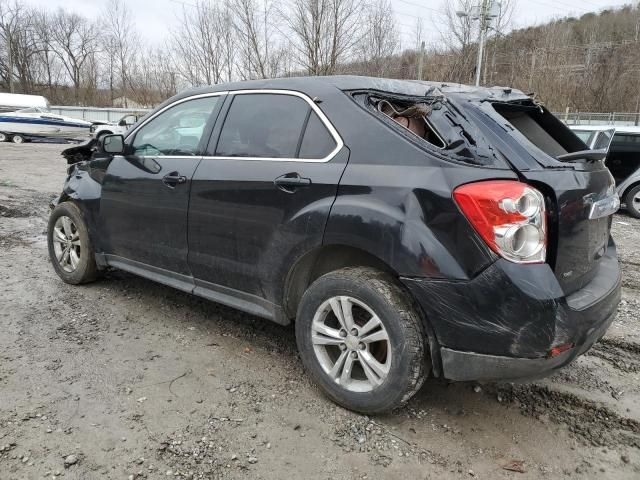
<point x="588" y="118"/>
<point x="93" y="114"/>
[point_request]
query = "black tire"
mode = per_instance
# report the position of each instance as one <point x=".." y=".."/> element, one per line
<point x="18" y="139"/>
<point x="409" y="362"/>
<point x="86" y="270"/>
<point x="632" y="208"/>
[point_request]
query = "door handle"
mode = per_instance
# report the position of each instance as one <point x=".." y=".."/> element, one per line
<point x="172" y="179"/>
<point x="290" y="181"/>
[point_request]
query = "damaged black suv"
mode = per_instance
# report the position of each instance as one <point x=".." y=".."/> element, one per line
<point x="408" y="228"/>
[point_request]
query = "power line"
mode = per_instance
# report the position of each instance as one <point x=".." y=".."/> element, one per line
<point x="436" y="10"/>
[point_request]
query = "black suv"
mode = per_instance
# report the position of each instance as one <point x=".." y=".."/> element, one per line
<point x="407" y="227"/>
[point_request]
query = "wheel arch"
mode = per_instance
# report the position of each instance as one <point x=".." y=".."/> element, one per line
<point x="319" y="261"/>
<point x="85" y="193"/>
<point x="628" y="188"/>
<point x="328" y="258"/>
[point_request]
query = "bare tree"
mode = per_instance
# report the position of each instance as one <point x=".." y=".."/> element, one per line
<point x="13" y="27"/>
<point x="498" y="27"/>
<point x="458" y="37"/>
<point x="121" y="42"/>
<point x="380" y="40"/>
<point x="50" y="65"/>
<point x="155" y="79"/>
<point x="74" y="39"/>
<point x="255" y="33"/>
<point x="201" y="43"/>
<point x="324" y="32"/>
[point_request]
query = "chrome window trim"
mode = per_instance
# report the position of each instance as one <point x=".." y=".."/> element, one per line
<point x="323" y="118"/>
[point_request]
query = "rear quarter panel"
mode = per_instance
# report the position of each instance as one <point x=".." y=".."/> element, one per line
<point x="395" y="202"/>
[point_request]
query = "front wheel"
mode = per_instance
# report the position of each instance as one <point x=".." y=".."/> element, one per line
<point x="632" y="199"/>
<point x="70" y="248"/>
<point x="17" y="139"/>
<point x="361" y="339"/>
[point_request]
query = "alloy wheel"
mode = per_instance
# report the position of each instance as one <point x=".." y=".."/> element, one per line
<point x="66" y="243"/>
<point x="351" y="344"/>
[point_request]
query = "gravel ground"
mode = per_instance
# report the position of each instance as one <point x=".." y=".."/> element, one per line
<point x="127" y="379"/>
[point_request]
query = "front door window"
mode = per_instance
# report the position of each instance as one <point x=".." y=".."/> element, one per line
<point x="175" y="132"/>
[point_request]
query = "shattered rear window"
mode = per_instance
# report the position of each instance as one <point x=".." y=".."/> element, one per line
<point x="413" y="117"/>
<point x="431" y="122"/>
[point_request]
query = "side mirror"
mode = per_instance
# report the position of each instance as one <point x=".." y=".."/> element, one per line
<point x="113" y="144"/>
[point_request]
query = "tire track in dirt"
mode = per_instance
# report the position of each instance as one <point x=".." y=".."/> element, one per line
<point x="589" y="421"/>
<point x="623" y="355"/>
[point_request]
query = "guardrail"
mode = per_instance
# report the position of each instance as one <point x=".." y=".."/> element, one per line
<point x="94" y="114"/>
<point x="588" y="118"/>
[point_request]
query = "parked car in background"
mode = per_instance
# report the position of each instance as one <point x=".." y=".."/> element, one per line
<point x="98" y="130"/>
<point x="405" y="227"/>
<point x="623" y="159"/>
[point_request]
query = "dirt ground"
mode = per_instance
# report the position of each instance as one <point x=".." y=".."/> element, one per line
<point x="124" y="379"/>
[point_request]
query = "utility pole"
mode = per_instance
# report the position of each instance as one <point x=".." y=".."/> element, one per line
<point x="482" y="36"/>
<point x="485" y="12"/>
<point x="421" y="60"/>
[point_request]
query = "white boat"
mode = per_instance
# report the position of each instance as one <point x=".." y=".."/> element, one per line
<point x="38" y="122"/>
<point x="10" y="102"/>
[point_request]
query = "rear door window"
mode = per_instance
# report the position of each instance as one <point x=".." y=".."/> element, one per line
<point x="317" y="142"/>
<point x="263" y="125"/>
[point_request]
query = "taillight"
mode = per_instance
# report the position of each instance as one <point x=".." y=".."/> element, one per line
<point x="510" y="217"/>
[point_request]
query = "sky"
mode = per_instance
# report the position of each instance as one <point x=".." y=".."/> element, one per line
<point x="153" y="18"/>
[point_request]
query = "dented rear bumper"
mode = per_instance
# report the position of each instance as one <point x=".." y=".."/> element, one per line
<point x="503" y="324"/>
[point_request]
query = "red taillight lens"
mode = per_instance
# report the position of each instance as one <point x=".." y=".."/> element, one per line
<point x="510" y="217"/>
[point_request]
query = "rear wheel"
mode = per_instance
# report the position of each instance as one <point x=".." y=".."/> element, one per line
<point x="361" y="339"/>
<point x="632" y="199"/>
<point x="17" y="139"/>
<point x="70" y="247"/>
<point x="3" y="137"/>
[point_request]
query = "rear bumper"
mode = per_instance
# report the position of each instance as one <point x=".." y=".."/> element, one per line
<point x="462" y="366"/>
<point x="503" y="324"/>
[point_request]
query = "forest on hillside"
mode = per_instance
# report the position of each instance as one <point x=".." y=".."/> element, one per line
<point x="591" y="63"/>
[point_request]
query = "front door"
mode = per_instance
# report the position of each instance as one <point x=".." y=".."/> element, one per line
<point x="263" y="196"/>
<point x="145" y="194"/>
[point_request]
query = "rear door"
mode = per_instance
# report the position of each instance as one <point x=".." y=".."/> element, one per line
<point x="262" y="196"/>
<point x="145" y="194"/>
